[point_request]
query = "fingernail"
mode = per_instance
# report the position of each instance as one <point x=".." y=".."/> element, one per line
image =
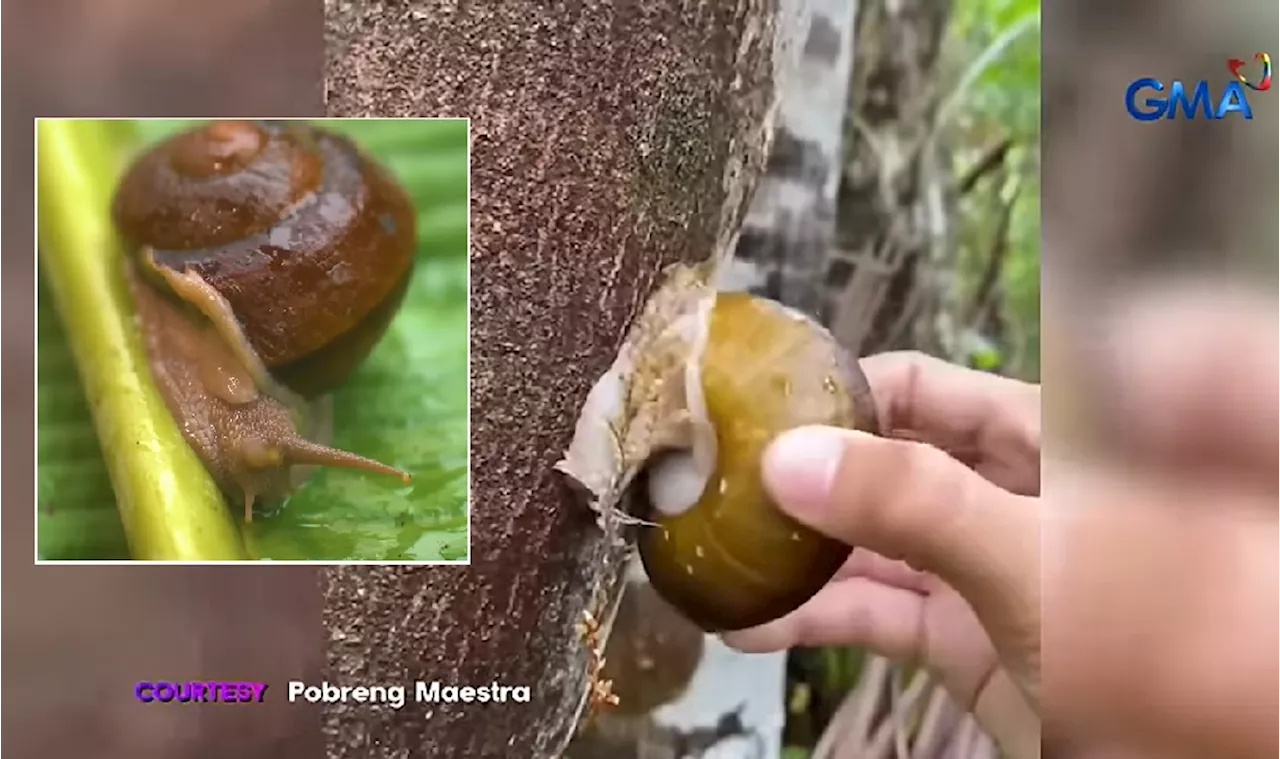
<point x="800" y="466"/>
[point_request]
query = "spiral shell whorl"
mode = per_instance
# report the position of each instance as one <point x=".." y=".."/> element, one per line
<point x="310" y="242"/>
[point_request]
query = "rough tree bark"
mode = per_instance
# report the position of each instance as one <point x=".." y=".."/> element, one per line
<point x="609" y="141"/>
<point x="686" y="695"/>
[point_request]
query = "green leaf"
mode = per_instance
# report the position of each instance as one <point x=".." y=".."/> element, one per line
<point x="407" y="405"/>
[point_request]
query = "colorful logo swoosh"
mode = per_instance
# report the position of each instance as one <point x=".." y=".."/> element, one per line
<point x="1235" y="64"/>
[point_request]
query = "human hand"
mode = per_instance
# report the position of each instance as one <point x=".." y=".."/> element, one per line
<point x="951" y="496"/>
<point x="1159" y="588"/>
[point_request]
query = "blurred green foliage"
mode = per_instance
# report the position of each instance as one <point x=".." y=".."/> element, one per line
<point x="1002" y="103"/>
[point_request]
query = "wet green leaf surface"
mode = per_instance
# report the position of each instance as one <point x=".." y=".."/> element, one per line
<point x="406" y="406"/>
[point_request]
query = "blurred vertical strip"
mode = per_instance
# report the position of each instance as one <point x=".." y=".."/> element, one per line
<point x="1127" y="205"/>
<point x="1133" y="209"/>
<point x="1124" y="198"/>
<point x="78" y="637"/>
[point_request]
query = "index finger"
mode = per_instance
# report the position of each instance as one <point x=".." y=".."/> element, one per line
<point x="989" y="422"/>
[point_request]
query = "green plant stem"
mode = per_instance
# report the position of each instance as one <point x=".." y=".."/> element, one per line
<point x="169" y="506"/>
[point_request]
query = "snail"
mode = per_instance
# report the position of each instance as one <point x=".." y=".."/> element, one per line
<point x="265" y="261"/>
<point x="652" y="652"/>
<point x="674" y="433"/>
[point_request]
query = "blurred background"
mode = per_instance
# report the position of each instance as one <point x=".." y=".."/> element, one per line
<point x="76" y="638"/>
<point x="1182" y="211"/>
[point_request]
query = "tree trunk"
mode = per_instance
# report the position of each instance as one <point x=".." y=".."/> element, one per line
<point x="608" y="142"/>
<point x="686" y="695"/>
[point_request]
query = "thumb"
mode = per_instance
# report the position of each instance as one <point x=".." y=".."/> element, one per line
<point x="911" y="501"/>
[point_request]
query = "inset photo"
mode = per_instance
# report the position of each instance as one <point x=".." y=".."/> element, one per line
<point x="252" y="340"/>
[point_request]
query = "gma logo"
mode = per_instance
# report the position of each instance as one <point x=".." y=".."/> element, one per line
<point x="1201" y="101"/>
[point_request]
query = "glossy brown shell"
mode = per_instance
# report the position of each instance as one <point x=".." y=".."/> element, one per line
<point x="308" y="239"/>
<point x="652" y="653"/>
<point x="734" y="560"/>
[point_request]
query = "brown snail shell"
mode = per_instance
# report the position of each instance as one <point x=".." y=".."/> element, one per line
<point x="725" y="554"/>
<point x="267" y="260"/>
<point x="704" y="382"/>
<point x="652" y="652"/>
<point x="309" y="240"/>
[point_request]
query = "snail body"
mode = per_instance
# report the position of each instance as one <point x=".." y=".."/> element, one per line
<point x="706" y="381"/>
<point x="266" y="261"/>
